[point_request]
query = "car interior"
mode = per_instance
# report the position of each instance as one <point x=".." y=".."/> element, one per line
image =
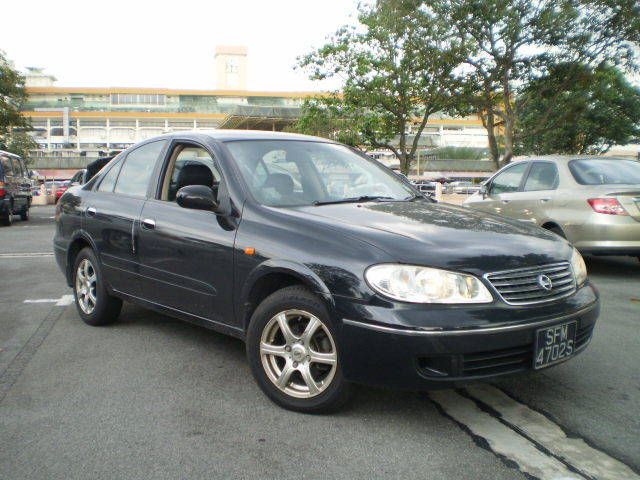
<point x="189" y="165"/>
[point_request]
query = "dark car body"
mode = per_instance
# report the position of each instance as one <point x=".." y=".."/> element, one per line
<point x="214" y="269"/>
<point x="15" y="186"/>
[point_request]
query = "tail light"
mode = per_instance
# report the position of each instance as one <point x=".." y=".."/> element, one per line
<point x="608" y="206"/>
<point x="3" y="192"/>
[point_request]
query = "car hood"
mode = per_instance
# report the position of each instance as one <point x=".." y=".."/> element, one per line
<point x="442" y="235"/>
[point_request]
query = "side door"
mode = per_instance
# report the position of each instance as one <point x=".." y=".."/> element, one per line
<point x="538" y="192"/>
<point x="504" y="190"/>
<point x="186" y="256"/>
<point x="112" y="215"/>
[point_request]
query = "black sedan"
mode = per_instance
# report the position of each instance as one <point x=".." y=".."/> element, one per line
<point x="332" y="268"/>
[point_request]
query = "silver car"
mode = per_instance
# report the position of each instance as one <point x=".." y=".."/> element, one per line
<point x="594" y="202"/>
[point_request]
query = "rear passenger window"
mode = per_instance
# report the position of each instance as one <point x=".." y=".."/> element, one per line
<point x="109" y="180"/>
<point x="137" y="169"/>
<point x="542" y="176"/>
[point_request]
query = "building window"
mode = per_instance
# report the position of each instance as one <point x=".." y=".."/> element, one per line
<point x="137" y="99"/>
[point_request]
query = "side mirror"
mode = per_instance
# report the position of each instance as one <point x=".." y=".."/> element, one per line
<point x="197" y="197"/>
<point x="484" y="190"/>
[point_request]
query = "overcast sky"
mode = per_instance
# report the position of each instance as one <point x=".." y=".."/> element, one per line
<point x="168" y="44"/>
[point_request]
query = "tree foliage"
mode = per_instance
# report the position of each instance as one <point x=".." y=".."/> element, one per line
<point x="12" y="123"/>
<point x="599" y="108"/>
<point x="397" y="66"/>
<point x="12" y="97"/>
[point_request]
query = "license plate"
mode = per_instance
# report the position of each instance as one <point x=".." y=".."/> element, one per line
<point x="554" y="344"/>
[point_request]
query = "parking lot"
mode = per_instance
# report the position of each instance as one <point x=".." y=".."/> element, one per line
<point x="152" y="397"/>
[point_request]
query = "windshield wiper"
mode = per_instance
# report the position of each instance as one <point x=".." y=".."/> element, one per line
<point x="363" y="198"/>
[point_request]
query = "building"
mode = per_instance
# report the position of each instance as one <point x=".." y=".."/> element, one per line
<point x="231" y="67"/>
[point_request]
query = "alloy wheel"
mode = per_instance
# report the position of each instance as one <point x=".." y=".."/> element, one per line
<point x="86" y="282"/>
<point x="298" y="353"/>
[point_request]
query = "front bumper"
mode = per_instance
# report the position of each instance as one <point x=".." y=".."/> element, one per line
<point x="419" y="358"/>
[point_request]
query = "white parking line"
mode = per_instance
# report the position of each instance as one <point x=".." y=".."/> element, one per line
<point x="502" y="439"/>
<point x="26" y="255"/>
<point x="63" y="301"/>
<point x="535" y="426"/>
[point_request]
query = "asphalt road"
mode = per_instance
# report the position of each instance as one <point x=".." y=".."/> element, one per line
<point x="152" y="397"/>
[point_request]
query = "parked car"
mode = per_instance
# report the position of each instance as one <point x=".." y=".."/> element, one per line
<point x="594" y="202"/>
<point x="427" y="188"/>
<point x="59" y="186"/>
<point x="465" y="188"/>
<point x="15" y="188"/>
<point x="370" y="283"/>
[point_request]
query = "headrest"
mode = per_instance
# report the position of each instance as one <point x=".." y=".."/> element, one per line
<point x="195" y="174"/>
<point x="280" y="182"/>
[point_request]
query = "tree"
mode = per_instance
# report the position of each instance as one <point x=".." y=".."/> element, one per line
<point x="328" y="116"/>
<point x="397" y="65"/>
<point x="12" y="123"/>
<point x="599" y="108"/>
<point x="19" y="143"/>
<point x="509" y="42"/>
<point x="12" y="97"/>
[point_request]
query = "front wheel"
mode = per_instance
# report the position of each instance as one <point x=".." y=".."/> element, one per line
<point x="293" y="354"/>
<point x="95" y="306"/>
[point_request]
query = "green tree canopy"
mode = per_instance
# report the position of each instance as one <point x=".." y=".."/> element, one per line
<point x="12" y="123"/>
<point x="597" y="109"/>
<point x="397" y="64"/>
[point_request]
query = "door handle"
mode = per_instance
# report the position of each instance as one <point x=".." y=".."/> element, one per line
<point x="91" y="211"/>
<point x="148" y="224"/>
<point x="505" y="201"/>
<point x="544" y="200"/>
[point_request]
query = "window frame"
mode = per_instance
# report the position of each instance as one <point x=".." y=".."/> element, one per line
<point x="528" y="172"/>
<point x="525" y="174"/>
<point x="154" y="171"/>
<point x="156" y="192"/>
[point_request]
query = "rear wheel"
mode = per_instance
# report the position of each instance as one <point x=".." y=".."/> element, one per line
<point x="95" y="305"/>
<point x="293" y="353"/>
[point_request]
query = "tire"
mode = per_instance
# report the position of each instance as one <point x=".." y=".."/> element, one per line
<point x="7" y="220"/>
<point x="303" y="356"/>
<point x="95" y="306"/>
<point x="24" y="214"/>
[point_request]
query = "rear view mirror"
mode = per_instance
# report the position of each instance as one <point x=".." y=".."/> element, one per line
<point x="197" y="197"/>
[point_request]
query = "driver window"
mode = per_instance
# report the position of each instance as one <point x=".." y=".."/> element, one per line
<point x="189" y="165"/>
<point x="509" y="180"/>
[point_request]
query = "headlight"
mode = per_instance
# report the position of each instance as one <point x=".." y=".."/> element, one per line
<point x="409" y="283"/>
<point x="579" y="268"/>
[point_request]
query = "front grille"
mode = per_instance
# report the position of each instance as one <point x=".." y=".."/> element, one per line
<point x="523" y="286"/>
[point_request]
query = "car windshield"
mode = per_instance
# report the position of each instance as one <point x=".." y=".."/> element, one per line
<point x="605" y="172"/>
<point x="297" y="173"/>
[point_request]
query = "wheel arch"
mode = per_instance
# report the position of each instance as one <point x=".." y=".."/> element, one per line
<point x="273" y="275"/>
<point x="79" y="241"/>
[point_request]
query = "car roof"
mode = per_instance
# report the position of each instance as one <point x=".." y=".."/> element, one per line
<point x="566" y="158"/>
<point x="223" y="135"/>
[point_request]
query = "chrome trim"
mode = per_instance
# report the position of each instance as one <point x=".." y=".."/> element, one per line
<point x="551" y="269"/>
<point x="469" y="331"/>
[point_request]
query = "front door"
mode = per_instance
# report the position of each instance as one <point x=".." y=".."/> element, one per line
<point x="186" y="256"/>
<point x="504" y="190"/>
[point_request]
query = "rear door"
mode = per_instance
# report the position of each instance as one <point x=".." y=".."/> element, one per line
<point x="113" y="211"/>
